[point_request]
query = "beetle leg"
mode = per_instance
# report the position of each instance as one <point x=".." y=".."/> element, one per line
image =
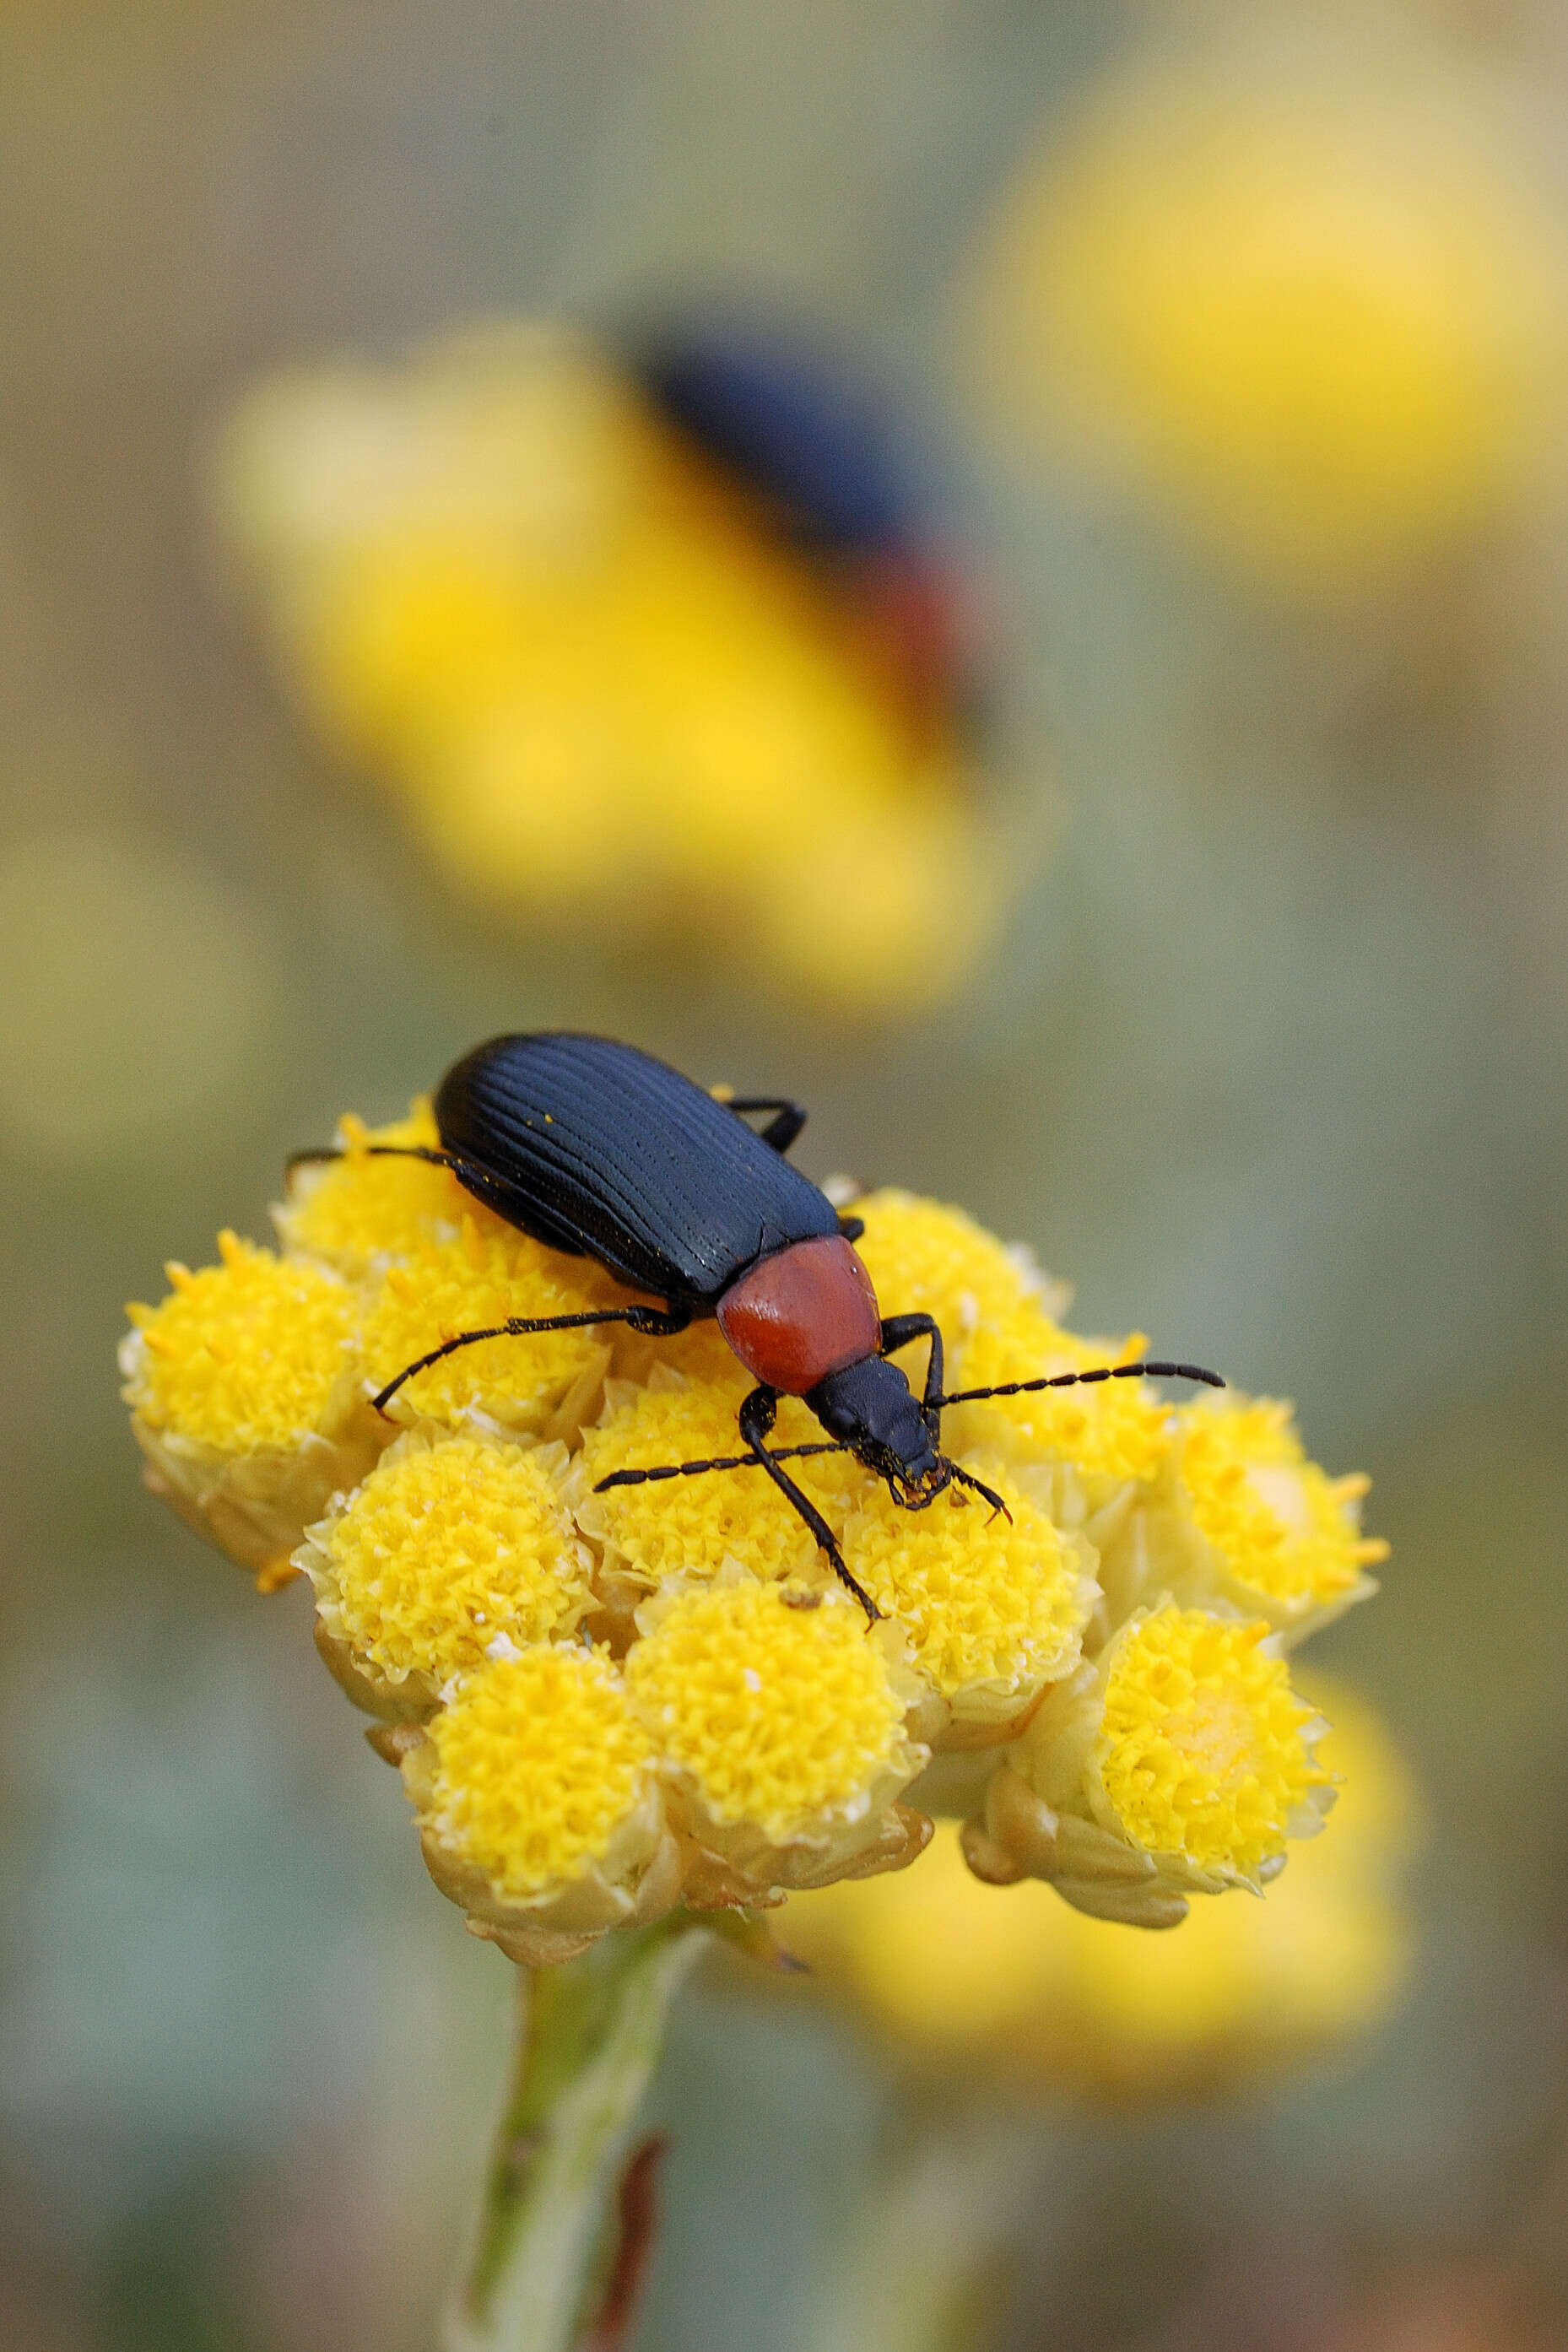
<point x="780" y="1131"/>
<point x="660" y="1321"/>
<point x="851" y="1228"/>
<point x="978" y="1486"/>
<point x="377" y="1152"/>
<point x="757" y="1417"/>
<point x="897" y="1330"/>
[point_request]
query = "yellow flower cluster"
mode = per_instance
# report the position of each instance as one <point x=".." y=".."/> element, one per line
<point x="597" y="681"/>
<point x="1315" y="315"/>
<point x="607" y="1704"/>
<point x="1031" y="1990"/>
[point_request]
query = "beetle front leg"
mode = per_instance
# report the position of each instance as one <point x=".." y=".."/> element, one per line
<point x="897" y="1330"/>
<point x="758" y="1415"/>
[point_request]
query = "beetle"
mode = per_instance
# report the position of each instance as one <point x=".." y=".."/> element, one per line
<point x="600" y="1150"/>
<point x="769" y="406"/>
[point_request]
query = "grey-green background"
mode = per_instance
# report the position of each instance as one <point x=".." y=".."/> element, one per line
<point x="1269" y="1060"/>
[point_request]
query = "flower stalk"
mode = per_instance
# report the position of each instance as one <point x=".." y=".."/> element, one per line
<point x="589" y="2034"/>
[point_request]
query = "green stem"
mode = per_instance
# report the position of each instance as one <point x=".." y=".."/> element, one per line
<point x="589" y="2035"/>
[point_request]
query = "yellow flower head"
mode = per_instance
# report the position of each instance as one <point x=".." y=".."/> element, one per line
<point x="448" y="1555"/>
<point x="1319" y="320"/>
<point x="248" y="1354"/>
<point x="774" y="1706"/>
<point x="1283" y="1534"/>
<point x="484" y="1277"/>
<point x="937" y="1261"/>
<point x="994" y="1605"/>
<point x="741" y="1730"/>
<point x="687" y="1527"/>
<point x="538" y="1762"/>
<point x="1014" y="1979"/>
<point x="358" y="1212"/>
<point x="594" y="675"/>
<point x="1204" y="1750"/>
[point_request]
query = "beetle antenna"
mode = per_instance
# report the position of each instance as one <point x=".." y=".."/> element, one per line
<point x="720" y="1462"/>
<point x="1071" y="1380"/>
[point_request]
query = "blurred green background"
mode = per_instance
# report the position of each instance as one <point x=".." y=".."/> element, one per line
<point x="1269" y="1060"/>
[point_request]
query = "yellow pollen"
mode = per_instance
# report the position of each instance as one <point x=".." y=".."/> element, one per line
<point x="1110" y="1429"/>
<point x="247" y="1353"/>
<point x="691" y="1526"/>
<point x="360" y="1210"/>
<point x="486" y="1276"/>
<point x="781" y="1716"/>
<point x="985" y="1601"/>
<point x="444" y="1551"/>
<point x="539" y="1760"/>
<point x="1200" y="1750"/>
<point x="1279" y="1525"/>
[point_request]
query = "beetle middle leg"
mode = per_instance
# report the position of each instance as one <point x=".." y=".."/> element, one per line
<point x="757" y="1417"/>
<point x="659" y="1322"/>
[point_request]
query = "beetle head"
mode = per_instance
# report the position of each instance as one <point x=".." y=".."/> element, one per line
<point x="869" y="1406"/>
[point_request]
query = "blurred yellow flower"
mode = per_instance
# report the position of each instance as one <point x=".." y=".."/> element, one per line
<point x="1317" y="318"/>
<point x="609" y="1705"/>
<point x="600" y="684"/>
<point x="1032" y="1991"/>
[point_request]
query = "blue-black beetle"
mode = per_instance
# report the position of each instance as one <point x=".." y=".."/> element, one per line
<point x="598" y="1150"/>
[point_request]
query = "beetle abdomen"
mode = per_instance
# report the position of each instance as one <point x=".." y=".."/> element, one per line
<point x="602" y="1148"/>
